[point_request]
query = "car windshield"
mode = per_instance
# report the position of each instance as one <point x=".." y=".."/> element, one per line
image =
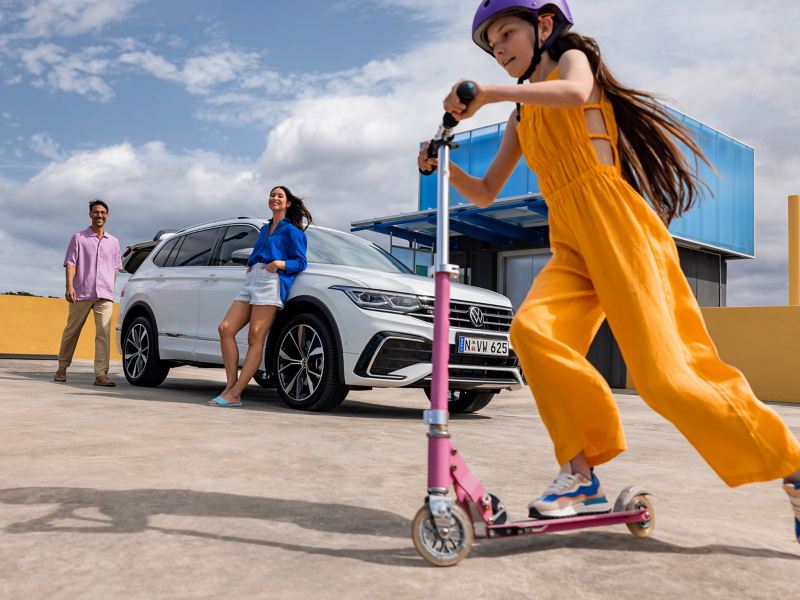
<point x="335" y="248"/>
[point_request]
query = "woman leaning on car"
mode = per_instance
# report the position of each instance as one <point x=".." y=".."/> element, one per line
<point x="279" y="255"/>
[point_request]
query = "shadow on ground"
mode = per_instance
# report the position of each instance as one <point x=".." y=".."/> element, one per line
<point x="198" y="392"/>
<point x="129" y="511"/>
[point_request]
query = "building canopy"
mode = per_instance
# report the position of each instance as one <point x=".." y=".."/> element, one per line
<point x="723" y="221"/>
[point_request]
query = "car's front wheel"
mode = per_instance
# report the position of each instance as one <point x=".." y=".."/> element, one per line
<point x="140" y="359"/>
<point x="306" y="365"/>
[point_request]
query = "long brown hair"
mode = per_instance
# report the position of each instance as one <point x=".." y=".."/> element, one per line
<point x="297" y="212"/>
<point x="651" y="161"/>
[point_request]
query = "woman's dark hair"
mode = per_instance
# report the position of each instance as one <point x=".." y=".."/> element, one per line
<point x="297" y="211"/>
<point x="650" y="159"/>
<point x="97" y="201"/>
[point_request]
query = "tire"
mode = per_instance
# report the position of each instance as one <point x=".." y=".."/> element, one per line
<point x="264" y="380"/>
<point x="306" y="365"/>
<point x="646" y="528"/>
<point x="439" y="551"/>
<point x="141" y="362"/>
<point x="466" y="401"/>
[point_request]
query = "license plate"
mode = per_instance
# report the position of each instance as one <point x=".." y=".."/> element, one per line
<point x="484" y="346"/>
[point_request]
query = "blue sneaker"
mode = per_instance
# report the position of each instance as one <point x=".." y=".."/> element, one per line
<point x="570" y="495"/>
<point x="793" y="489"/>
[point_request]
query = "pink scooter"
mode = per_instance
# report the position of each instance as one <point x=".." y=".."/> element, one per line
<point x="443" y="530"/>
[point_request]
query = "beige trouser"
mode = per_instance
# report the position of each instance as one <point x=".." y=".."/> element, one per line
<point x="78" y="311"/>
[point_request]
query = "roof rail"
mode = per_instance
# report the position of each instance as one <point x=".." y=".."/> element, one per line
<point x="162" y="232"/>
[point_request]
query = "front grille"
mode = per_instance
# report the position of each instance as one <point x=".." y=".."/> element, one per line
<point x="400" y="353"/>
<point x="495" y="318"/>
<point x="397" y="353"/>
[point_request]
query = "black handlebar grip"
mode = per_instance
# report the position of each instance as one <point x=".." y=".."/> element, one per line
<point x="432" y="153"/>
<point x="433" y="149"/>
<point x="466" y="92"/>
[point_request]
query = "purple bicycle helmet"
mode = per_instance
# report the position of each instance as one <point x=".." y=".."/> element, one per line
<point x="530" y="10"/>
<point x="489" y="10"/>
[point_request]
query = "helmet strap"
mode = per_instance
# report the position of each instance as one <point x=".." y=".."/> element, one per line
<point x="537" y="58"/>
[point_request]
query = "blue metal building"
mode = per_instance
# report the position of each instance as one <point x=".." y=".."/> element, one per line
<point x="503" y="246"/>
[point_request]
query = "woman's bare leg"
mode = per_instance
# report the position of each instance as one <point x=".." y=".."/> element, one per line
<point x="236" y="318"/>
<point x="261" y="320"/>
<point x="579" y="465"/>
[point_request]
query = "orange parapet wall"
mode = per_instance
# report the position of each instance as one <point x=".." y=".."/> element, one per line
<point x="33" y="326"/>
<point x="764" y="343"/>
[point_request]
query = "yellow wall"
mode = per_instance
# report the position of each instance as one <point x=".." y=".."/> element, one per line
<point x="764" y="343"/>
<point x="34" y="326"/>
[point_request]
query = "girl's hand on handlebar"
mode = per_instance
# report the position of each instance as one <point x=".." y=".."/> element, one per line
<point x="424" y="162"/>
<point x="459" y="110"/>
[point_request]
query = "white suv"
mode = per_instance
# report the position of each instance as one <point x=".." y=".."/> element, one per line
<point x="357" y="318"/>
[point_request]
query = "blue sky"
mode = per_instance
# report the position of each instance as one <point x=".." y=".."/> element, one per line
<point x="180" y="111"/>
<point x="135" y="106"/>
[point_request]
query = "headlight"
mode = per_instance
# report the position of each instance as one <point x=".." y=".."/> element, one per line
<point x="384" y="301"/>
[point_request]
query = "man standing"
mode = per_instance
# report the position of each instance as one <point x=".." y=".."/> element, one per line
<point x="91" y="263"/>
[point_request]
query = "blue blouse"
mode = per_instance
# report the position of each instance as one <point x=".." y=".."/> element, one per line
<point x="287" y="243"/>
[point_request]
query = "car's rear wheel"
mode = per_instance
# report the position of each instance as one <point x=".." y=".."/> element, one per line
<point x="264" y="379"/>
<point x="306" y="365"/>
<point x="141" y="362"/>
<point x="466" y="401"/>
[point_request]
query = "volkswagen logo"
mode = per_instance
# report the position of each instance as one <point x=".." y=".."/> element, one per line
<point x="476" y="316"/>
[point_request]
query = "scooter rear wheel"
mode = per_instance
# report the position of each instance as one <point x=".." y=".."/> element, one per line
<point x="432" y="546"/>
<point x="642" y="529"/>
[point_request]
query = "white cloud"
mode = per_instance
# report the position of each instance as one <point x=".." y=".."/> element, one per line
<point x="347" y="140"/>
<point x="79" y="72"/>
<point x="43" y="144"/>
<point x="47" y="18"/>
<point x="40" y="58"/>
<point x="147" y="188"/>
<point x="151" y="63"/>
<point x="199" y="74"/>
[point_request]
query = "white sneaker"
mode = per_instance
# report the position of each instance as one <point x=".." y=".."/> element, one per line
<point x="570" y="495"/>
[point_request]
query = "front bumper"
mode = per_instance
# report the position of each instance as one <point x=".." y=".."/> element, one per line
<point x="404" y="360"/>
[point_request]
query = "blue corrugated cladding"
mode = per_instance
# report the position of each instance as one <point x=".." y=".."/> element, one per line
<point x="724" y="218"/>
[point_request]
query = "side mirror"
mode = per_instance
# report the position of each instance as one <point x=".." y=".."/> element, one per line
<point x="240" y="257"/>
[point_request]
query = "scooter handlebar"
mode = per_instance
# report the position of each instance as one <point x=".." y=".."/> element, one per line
<point x="466" y="92"/>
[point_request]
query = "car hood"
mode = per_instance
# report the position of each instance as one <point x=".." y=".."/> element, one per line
<point x="406" y="283"/>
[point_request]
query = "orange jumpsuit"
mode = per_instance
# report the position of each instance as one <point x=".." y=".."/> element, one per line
<point x="613" y="257"/>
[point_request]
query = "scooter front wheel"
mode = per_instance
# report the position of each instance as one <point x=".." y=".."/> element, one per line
<point x="642" y="529"/>
<point x="444" y="548"/>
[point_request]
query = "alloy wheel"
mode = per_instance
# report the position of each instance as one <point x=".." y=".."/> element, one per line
<point x="137" y="350"/>
<point x="301" y="362"/>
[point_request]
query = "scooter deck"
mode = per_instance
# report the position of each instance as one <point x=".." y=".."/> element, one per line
<point x="534" y="526"/>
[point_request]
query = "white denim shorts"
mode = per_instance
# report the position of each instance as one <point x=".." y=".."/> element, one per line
<point x="261" y="287"/>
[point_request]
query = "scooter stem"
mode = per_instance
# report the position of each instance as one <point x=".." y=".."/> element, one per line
<point x="437" y="418"/>
<point x="439" y="477"/>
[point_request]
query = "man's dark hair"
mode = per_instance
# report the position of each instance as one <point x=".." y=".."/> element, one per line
<point x="97" y="201"/>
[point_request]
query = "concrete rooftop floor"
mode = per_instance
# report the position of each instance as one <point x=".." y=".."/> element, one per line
<point x="147" y="493"/>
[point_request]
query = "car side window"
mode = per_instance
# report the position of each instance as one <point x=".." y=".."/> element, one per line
<point x="196" y="248"/>
<point x="160" y="259"/>
<point x="237" y="237"/>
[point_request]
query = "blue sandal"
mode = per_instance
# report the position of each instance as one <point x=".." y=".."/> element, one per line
<point x="220" y="401"/>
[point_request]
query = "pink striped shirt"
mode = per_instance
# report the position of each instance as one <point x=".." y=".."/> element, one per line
<point x="96" y="261"/>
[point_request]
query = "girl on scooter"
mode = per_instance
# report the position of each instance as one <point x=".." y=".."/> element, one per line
<point x="279" y="255"/>
<point x="597" y="148"/>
